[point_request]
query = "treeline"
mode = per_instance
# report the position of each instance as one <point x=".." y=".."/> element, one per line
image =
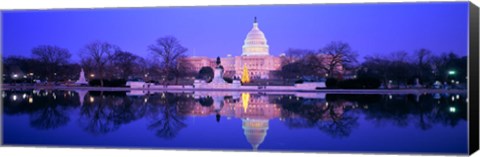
<point x="101" y="61"/>
<point x="337" y="64"/>
<point x="403" y="69"/>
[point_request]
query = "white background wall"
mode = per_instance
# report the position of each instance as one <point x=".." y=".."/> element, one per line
<point x="83" y="152"/>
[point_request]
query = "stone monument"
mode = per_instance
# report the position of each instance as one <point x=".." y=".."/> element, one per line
<point x="417" y="83"/>
<point x="218" y="74"/>
<point x="81" y="80"/>
<point x="217" y="81"/>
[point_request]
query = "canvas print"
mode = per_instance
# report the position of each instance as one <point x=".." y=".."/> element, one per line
<point x="346" y="78"/>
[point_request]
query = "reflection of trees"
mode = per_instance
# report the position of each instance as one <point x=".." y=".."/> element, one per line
<point x="49" y="112"/>
<point x="339" y="117"/>
<point x="330" y="118"/>
<point x="206" y="101"/>
<point x="107" y="111"/>
<point x="168" y="123"/>
<point x="422" y="111"/>
<point x="340" y="124"/>
<point x="51" y="117"/>
<point x="166" y="114"/>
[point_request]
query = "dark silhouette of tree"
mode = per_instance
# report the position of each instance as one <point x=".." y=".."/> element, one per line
<point x="206" y="73"/>
<point x="125" y="64"/>
<point x="307" y="60"/>
<point x="424" y="69"/>
<point x="339" y="125"/>
<point x="337" y="54"/>
<point x="375" y="66"/>
<point x="168" y="124"/>
<point x="99" y="54"/>
<point x="52" y="58"/>
<point x="48" y="111"/>
<point x="169" y="52"/>
<point x="51" y="117"/>
<point x="21" y="66"/>
<point x="96" y="117"/>
<point x="206" y="101"/>
<point x="331" y="118"/>
<point x="166" y="118"/>
<point x="108" y="111"/>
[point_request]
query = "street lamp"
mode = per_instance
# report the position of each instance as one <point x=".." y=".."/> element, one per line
<point x="452" y="72"/>
<point x="452" y="109"/>
<point x="15" y="77"/>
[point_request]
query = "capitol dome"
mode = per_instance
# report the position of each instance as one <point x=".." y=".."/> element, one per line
<point x="255" y="131"/>
<point x="255" y="42"/>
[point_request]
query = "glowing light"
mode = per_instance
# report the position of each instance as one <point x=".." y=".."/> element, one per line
<point x="92" y="75"/>
<point x="24" y="96"/>
<point x="458" y="96"/>
<point x="245" y="77"/>
<point x="145" y="100"/>
<point x="30" y="100"/>
<point x="390" y="96"/>
<point x="245" y="100"/>
<point x="451" y="72"/>
<point x="453" y="109"/>
<point x="14" y="97"/>
<point x="15" y="75"/>
<point x="92" y="99"/>
<point x="453" y="98"/>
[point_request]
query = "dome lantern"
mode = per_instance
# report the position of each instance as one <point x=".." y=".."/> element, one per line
<point x="255" y="42"/>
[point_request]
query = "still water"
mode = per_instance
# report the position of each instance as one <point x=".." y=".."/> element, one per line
<point x="306" y="122"/>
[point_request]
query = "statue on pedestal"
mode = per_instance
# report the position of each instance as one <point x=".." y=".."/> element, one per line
<point x="218" y="73"/>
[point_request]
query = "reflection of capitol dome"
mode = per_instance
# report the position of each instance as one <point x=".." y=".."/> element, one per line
<point x="255" y="131"/>
<point x="255" y="43"/>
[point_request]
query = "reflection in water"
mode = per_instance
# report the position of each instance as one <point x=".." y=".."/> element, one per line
<point x="337" y="115"/>
<point x="164" y="115"/>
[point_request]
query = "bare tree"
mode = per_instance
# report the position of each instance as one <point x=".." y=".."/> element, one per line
<point x="169" y="51"/>
<point x="424" y="68"/>
<point x="337" y="54"/>
<point x="99" y="54"/>
<point x="125" y="63"/>
<point x="52" y="57"/>
<point x="293" y="55"/>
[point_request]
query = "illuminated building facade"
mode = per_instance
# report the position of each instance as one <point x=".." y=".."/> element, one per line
<point x="255" y="56"/>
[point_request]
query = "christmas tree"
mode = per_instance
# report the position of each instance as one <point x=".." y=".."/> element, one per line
<point x="245" y="77"/>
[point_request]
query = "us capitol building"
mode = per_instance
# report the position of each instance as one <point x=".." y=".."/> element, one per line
<point x="255" y="57"/>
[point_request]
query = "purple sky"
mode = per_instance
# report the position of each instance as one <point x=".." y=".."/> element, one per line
<point x="220" y="30"/>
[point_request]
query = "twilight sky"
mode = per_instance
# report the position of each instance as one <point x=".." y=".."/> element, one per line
<point x="220" y="30"/>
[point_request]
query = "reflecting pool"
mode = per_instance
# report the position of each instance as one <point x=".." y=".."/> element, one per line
<point x="305" y="122"/>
